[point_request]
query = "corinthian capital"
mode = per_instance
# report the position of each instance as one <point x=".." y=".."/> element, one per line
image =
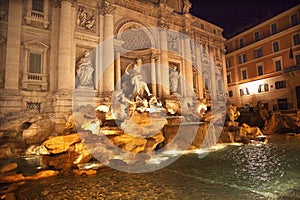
<point x="57" y="3"/>
<point x="106" y="7"/>
<point x="163" y="23"/>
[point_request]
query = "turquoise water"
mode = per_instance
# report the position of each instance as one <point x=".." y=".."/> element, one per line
<point x="270" y="171"/>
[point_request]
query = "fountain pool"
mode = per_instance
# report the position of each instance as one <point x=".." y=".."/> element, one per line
<point x="269" y="171"/>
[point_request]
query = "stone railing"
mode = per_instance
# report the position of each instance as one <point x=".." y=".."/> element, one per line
<point x="37" y="15"/>
<point x="34" y="79"/>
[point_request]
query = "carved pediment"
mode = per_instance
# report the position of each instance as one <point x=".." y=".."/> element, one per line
<point x="35" y="44"/>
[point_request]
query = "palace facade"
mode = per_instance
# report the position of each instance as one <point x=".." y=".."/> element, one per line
<point x="263" y="63"/>
<point x="43" y="44"/>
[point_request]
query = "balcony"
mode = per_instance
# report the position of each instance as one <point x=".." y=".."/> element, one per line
<point x="34" y="81"/>
<point x="36" y="16"/>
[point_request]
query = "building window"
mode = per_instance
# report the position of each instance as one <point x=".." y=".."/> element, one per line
<point x="37" y="12"/>
<point x="242" y="58"/>
<point x="280" y="84"/>
<point x="230" y="93"/>
<point x="35" y="75"/>
<point x="244" y="91"/>
<point x="297" y="58"/>
<point x="263" y="88"/>
<point x="244" y="74"/>
<point x="296" y="39"/>
<point x="275" y="46"/>
<point x="278" y="66"/>
<point x="228" y="78"/>
<point x="260" y="70"/>
<point x="258" y="53"/>
<point x="282" y="104"/>
<point x="38" y="5"/>
<point x="228" y="63"/>
<point x="35" y="63"/>
<point x="294" y="19"/>
<point x="241" y="41"/>
<point x="274" y="28"/>
<point x="256" y="36"/>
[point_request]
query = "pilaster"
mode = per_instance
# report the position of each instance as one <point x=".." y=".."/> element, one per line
<point x="188" y="67"/>
<point x="153" y="74"/>
<point x="12" y="69"/>
<point x="164" y="62"/>
<point x="199" y="72"/>
<point x="64" y="47"/>
<point x="213" y="71"/>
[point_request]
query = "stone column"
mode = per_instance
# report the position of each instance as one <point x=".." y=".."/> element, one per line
<point x="153" y="75"/>
<point x="164" y="63"/>
<point x="118" y="71"/>
<point x="199" y="72"/>
<point x="46" y="16"/>
<point x="12" y="69"/>
<point x="108" y="53"/>
<point x="223" y="51"/>
<point x="213" y="77"/>
<point x="64" y="48"/>
<point x="99" y="58"/>
<point x="188" y="67"/>
<point x="158" y="78"/>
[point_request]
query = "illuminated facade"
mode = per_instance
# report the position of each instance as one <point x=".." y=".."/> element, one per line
<point x="263" y="63"/>
<point x="41" y="41"/>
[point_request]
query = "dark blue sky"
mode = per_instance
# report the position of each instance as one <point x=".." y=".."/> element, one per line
<point x="232" y="15"/>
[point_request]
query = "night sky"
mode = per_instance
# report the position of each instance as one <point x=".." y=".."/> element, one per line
<point x="232" y="15"/>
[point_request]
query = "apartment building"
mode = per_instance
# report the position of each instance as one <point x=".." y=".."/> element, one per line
<point x="263" y="63"/>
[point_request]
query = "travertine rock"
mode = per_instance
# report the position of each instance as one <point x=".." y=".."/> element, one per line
<point x="8" y="168"/>
<point x="38" y="132"/>
<point x="61" y="144"/>
<point x="281" y="123"/>
<point x="130" y="143"/>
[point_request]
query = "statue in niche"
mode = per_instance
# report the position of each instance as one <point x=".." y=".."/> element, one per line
<point x="84" y="72"/>
<point x="136" y="79"/>
<point x="174" y="78"/>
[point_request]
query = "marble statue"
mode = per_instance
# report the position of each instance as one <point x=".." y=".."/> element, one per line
<point x="84" y="72"/>
<point x="136" y="79"/>
<point x="120" y="105"/>
<point x="186" y="6"/>
<point x="174" y="77"/>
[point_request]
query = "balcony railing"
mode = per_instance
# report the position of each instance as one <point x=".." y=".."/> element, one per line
<point x="36" y="14"/>
<point x="40" y="17"/>
<point x="34" y="79"/>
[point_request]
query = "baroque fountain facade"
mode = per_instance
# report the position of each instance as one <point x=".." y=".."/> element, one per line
<point x="146" y="64"/>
